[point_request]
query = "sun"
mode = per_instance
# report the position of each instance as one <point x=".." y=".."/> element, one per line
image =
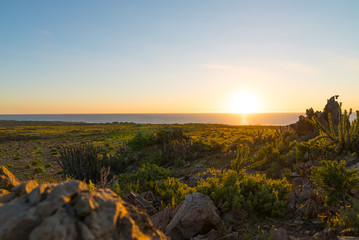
<point x="244" y="102"/>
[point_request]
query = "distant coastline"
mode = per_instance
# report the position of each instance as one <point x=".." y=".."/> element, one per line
<point x="180" y="118"/>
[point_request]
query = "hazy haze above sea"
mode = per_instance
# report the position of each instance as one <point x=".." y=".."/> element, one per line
<point x="180" y="118"/>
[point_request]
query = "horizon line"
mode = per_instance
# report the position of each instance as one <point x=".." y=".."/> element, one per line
<point x="145" y="113"/>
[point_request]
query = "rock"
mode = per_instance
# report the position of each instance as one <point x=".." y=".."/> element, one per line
<point x="68" y="210"/>
<point x="302" y="127"/>
<point x="291" y="201"/>
<point x="294" y="174"/>
<point x="332" y="108"/>
<point x="4" y="198"/>
<point x="307" y="191"/>
<point x="193" y="181"/>
<point x="7" y="179"/>
<point x="197" y="214"/>
<point x="163" y="218"/>
<point x="25" y="188"/>
<point x="280" y="234"/>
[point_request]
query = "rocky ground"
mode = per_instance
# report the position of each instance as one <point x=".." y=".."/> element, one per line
<point x="68" y="210"/>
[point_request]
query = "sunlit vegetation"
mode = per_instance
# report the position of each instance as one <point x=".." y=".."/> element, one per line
<point x="240" y="168"/>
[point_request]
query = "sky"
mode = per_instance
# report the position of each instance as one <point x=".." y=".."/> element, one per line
<point x="200" y="56"/>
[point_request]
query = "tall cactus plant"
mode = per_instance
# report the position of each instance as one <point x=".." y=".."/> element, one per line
<point x="345" y="135"/>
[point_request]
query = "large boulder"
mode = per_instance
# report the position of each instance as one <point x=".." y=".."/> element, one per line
<point x="302" y="127"/>
<point x="197" y="215"/>
<point x="68" y="210"/>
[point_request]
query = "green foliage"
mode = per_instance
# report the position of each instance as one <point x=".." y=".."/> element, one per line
<point x="230" y="190"/>
<point x="142" y="179"/>
<point x="171" y="191"/>
<point x="244" y="161"/>
<point x="140" y="141"/>
<point x="335" y="181"/>
<point x="48" y="165"/>
<point x="150" y="177"/>
<point x="39" y="170"/>
<point x="344" y="136"/>
<point x="347" y="220"/>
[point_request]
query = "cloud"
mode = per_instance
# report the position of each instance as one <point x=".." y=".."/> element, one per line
<point x="214" y="66"/>
<point x="295" y="66"/>
<point x="44" y="32"/>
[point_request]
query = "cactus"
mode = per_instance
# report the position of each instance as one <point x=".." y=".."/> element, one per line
<point x="81" y="162"/>
<point x="344" y="136"/>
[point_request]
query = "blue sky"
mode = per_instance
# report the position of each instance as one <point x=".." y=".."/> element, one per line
<point x="176" y="56"/>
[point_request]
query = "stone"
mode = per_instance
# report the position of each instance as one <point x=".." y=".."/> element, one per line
<point x="291" y="201"/>
<point x="68" y="210"/>
<point x="307" y="191"/>
<point x="25" y="188"/>
<point x="4" y="198"/>
<point x="280" y="234"/>
<point x="197" y="214"/>
<point x="162" y="219"/>
<point x="7" y="179"/>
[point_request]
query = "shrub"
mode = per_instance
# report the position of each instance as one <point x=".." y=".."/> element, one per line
<point x="347" y="220"/>
<point x="335" y="181"/>
<point x="48" y="165"/>
<point x="140" y="181"/>
<point x="230" y="190"/>
<point x="39" y="170"/>
<point x="81" y="162"/>
<point x="171" y="191"/>
<point x="150" y="177"/>
<point x="139" y="141"/>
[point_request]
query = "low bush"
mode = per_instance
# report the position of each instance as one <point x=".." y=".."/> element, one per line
<point x="335" y="182"/>
<point x="346" y="221"/>
<point x="254" y="193"/>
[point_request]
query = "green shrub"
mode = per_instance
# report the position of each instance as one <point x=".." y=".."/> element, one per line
<point x="142" y="179"/>
<point x="255" y="193"/>
<point x="39" y="170"/>
<point x="48" y="165"/>
<point x="344" y="136"/>
<point x="150" y="177"/>
<point x="335" y="181"/>
<point x="346" y="221"/>
<point x="27" y="166"/>
<point x="171" y="191"/>
<point x="139" y="141"/>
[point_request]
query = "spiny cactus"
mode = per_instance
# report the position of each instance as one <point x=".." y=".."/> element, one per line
<point x="81" y="162"/>
<point x="344" y="135"/>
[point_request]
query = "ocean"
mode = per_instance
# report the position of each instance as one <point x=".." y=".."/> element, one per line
<point x="180" y="118"/>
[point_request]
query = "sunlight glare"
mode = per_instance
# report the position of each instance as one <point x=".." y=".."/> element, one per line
<point x="244" y="102"/>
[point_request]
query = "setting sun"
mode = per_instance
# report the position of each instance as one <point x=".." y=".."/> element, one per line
<point x="244" y="102"/>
